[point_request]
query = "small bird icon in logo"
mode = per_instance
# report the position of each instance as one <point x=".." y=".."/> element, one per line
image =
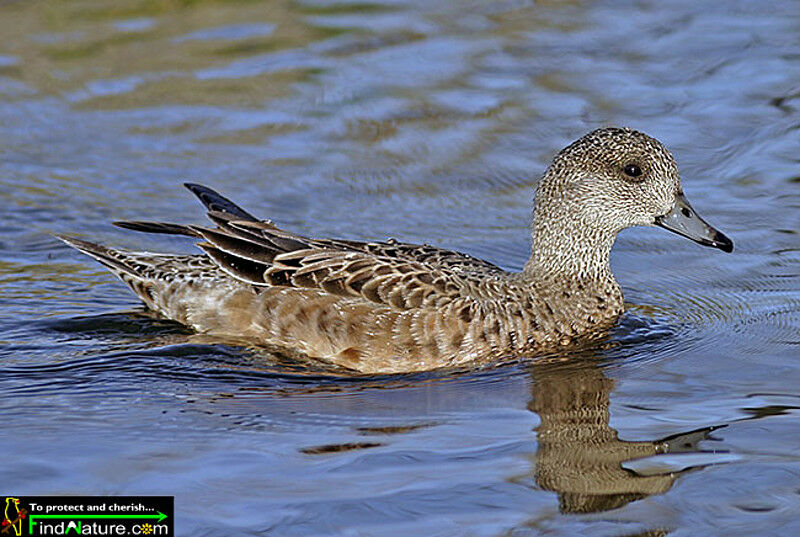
<point x="12" y="517"/>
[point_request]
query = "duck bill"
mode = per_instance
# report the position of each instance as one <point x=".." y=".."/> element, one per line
<point x="684" y="221"/>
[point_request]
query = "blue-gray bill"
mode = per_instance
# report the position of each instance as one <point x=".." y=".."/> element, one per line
<point x="684" y="221"/>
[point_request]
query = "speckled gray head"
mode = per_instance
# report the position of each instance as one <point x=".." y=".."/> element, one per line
<point x="615" y="178"/>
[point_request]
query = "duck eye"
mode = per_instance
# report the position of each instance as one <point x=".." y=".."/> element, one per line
<point x="632" y="170"/>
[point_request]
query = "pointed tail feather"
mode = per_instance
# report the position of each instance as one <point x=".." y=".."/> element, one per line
<point x="113" y="259"/>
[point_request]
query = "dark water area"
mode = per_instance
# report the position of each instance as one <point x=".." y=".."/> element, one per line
<point x="429" y="122"/>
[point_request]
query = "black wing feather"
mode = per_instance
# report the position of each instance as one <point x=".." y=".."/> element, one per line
<point x="214" y="201"/>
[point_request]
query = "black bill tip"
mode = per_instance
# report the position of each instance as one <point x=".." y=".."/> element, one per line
<point x="721" y="241"/>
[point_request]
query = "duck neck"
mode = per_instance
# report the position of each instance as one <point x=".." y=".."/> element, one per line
<point x="566" y="251"/>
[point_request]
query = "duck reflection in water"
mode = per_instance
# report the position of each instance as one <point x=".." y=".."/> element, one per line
<point x="579" y="454"/>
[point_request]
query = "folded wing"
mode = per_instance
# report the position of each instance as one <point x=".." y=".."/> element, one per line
<point x="399" y="275"/>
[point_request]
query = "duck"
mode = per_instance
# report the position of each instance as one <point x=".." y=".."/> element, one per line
<point x="385" y="307"/>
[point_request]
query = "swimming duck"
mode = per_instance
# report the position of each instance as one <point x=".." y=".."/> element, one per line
<point x="385" y="307"/>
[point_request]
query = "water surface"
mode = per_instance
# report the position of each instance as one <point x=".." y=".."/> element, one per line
<point x="429" y="122"/>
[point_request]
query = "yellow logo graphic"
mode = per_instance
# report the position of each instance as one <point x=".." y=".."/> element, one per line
<point x="12" y="517"/>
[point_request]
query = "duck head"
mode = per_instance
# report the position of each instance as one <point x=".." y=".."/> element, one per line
<point x="615" y="178"/>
